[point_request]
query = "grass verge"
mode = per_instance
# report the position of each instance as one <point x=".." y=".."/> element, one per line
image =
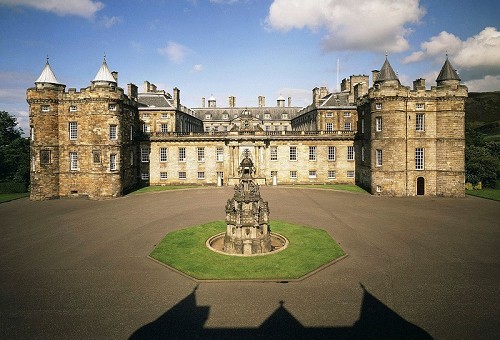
<point x="11" y="197"/>
<point x="342" y="187"/>
<point x="492" y="194"/>
<point x="308" y="250"/>
<point x="155" y="188"/>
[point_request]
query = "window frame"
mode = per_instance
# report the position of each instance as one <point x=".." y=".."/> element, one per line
<point x="350" y="152"/>
<point x="181" y="154"/>
<point x="200" y="152"/>
<point x="378" y="157"/>
<point x="420" y="122"/>
<point x="163" y="154"/>
<point x="219" y="154"/>
<point x="73" y="130"/>
<point x="292" y="156"/>
<point x="113" y="132"/>
<point x="145" y="151"/>
<point x="378" y="123"/>
<point x="113" y="164"/>
<point x="312" y="153"/>
<point x="274" y="152"/>
<point x="331" y="174"/>
<point x="73" y="161"/>
<point x="419" y="159"/>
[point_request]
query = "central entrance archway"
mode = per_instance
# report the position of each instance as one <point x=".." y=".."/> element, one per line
<point x="420" y="186"/>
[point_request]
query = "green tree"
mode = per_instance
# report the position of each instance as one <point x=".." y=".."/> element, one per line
<point x="14" y="151"/>
<point x="482" y="161"/>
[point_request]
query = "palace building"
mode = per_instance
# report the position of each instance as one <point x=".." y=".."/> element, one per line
<point x="100" y="142"/>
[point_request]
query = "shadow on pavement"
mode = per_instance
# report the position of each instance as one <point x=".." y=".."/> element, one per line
<point x="186" y="320"/>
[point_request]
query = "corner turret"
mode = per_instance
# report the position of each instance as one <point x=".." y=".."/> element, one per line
<point x="387" y="76"/>
<point x="448" y="75"/>
<point x="104" y="76"/>
<point x="47" y="79"/>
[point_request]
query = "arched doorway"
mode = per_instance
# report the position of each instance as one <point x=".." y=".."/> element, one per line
<point x="420" y="186"/>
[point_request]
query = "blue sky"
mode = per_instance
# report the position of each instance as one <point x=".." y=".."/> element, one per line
<point x="244" y="48"/>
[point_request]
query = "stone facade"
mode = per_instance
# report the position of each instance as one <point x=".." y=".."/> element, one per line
<point x="411" y="141"/>
<point x="98" y="142"/>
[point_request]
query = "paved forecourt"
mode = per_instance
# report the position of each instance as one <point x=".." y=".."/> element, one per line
<point x="75" y="268"/>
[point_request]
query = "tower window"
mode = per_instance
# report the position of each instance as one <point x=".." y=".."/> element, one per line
<point x="378" y="157"/>
<point x="378" y="124"/>
<point x="419" y="159"/>
<point x="112" y="132"/>
<point x="350" y="153"/>
<point x="420" y="122"/>
<point x="73" y="130"/>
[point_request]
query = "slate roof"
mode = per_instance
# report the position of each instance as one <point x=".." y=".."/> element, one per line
<point x="447" y="72"/>
<point x="386" y="73"/>
<point x="217" y="113"/>
<point x="47" y="76"/>
<point x="104" y="74"/>
<point x="154" y="100"/>
<point x="336" y="99"/>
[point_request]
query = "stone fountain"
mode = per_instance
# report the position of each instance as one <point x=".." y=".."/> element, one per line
<point x="247" y="215"/>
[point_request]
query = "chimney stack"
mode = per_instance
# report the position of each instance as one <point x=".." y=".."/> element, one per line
<point x="289" y="101"/>
<point x="115" y="75"/>
<point x="203" y="102"/>
<point x="232" y="101"/>
<point x="374" y="76"/>
<point x="132" y="91"/>
<point x="419" y="84"/>
<point x="177" y="98"/>
<point x="262" y="101"/>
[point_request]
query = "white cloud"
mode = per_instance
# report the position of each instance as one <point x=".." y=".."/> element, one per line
<point x="197" y="68"/>
<point x="82" y="8"/>
<point x="174" y="52"/>
<point x="488" y="83"/>
<point x="477" y="58"/>
<point x="108" y="22"/>
<point x="376" y="25"/>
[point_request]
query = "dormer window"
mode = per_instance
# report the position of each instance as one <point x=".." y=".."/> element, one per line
<point x="45" y="108"/>
<point x="225" y="116"/>
<point x="284" y="116"/>
<point x="267" y="116"/>
<point x="112" y="107"/>
<point x="72" y="108"/>
<point x="208" y="116"/>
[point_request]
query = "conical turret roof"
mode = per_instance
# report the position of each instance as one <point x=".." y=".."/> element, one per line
<point x="447" y="72"/>
<point x="386" y="72"/>
<point x="104" y="74"/>
<point x="47" y="76"/>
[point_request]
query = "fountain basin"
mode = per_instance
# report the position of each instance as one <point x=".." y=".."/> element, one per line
<point x="216" y="244"/>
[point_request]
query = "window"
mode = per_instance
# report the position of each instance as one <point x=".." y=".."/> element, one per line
<point x="267" y="116"/>
<point x="378" y="123"/>
<point x="32" y="133"/>
<point x="350" y="153"/>
<point x="219" y="154"/>
<point x="362" y="153"/>
<point x="208" y="116"/>
<point x="112" y="162"/>
<point x="347" y="126"/>
<point x="329" y="114"/>
<point x="73" y="161"/>
<point x="274" y="153"/>
<point x="132" y="157"/>
<point x="182" y="154"/>
<point x="45" y="108"/>
<point x="163" y="154"/>
<point x="144" y="154"/>
<point x="362" y="126"/>
<point x="379" y="188"/>
<point x="293" y="153"/>
<point x="163" y="175"/>
<point x="112" y="132"/>
<point x="164" y="116"/>
<point x="420" y="106"/>
<point x="146" y="115"/>
<point x="112" y="107"/>
<point x="45" y="157"/>
<point x="182" y="174"/>
<point x="146" y="128"/>
<point x="131" y="132"/>
<point x="378" y="106"/>
<point x="201" y="174"/>
<point x="201" y="154"/>
<point x="225" y="116"/>
<point x="420" y="122"/>
<point x="312" y="173"/>
<point x="378" y="157"/>
<point x="164" y="128"/>
<point x="332" y="174"/>
<point x="73" y="130"/>
<point x="347" y="114"/>
<point x="274" y="174"/>
<point x="284" y="116"/>
<point x="350" y="174"/>
<point x="419" y="159"/>
<point x="72" y="108"/>
<point x="331" y="153"/>
<point x="144" y="176"/>
<point x="207" y="128"/>
<point x="293" y="174"/>
<point x="312" y="153"/>
<point x="96" y="156"/>
<point x="329" y="127"/>
<point x="268" y="128"/>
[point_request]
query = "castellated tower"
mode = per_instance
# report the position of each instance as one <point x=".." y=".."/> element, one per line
<point x="82" y="143"/>
<point x="411" y="141"/>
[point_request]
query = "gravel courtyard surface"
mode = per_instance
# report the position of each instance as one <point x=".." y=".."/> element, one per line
<point x="75" y="268"/>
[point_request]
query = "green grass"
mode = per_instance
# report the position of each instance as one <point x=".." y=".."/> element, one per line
<point x="156" y="188"/>
<point x="343" y="187"/>
<point x="11" y="197"/>
<point x="185" y="251"/>
<point x="492" y="194"/>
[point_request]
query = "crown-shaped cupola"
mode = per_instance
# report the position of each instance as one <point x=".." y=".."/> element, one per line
<point x="104" y="76"/>
<point x="47" y="78"/>
<point x="448" y="75"/>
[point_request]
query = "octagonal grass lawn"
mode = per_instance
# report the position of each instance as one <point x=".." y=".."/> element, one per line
<point x="185" y="250"/>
